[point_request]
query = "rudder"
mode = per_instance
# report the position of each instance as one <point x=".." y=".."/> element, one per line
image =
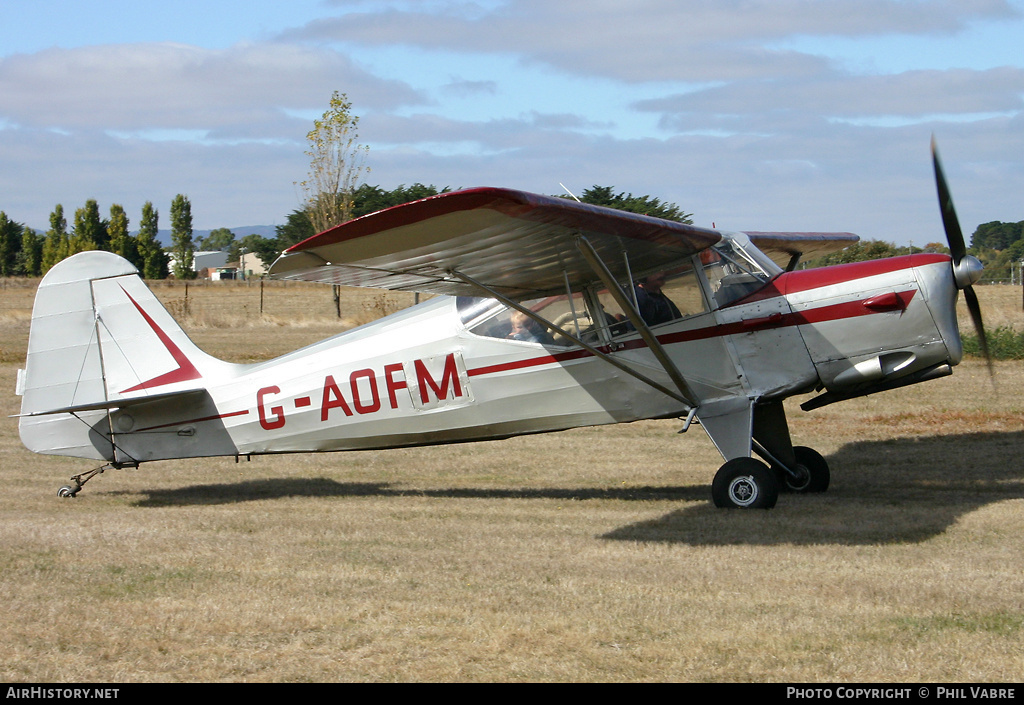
<point x="98" y="336"/>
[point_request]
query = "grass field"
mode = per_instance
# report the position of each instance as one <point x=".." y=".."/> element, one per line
<point x="587" y="555"/>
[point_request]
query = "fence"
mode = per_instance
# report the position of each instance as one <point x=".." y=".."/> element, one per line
<point x="240" y="303"/>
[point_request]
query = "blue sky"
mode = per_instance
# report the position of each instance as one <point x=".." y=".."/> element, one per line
<point x="751" y="114"/>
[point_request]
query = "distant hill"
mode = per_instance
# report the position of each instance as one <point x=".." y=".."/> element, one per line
<point x="264" y="230"/>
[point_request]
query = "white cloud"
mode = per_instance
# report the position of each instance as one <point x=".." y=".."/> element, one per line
<point x="241" y="92"/>
<point x="912" y="94"/>
<point x="230" y="185"/>
<point x="462" y="88"/>
<point x="650" y="40"/>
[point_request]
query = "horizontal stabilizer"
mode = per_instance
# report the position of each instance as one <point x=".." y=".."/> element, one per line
<point x="184" y="397"/>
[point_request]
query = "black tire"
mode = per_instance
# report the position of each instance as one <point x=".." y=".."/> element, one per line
<point x="745" y="483"/>
<point x="818" y="475"/>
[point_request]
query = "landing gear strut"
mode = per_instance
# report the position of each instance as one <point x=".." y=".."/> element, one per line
<point x="810" y="473"/>
<point x="79" y="481"/>
<point x="792" y="468"/>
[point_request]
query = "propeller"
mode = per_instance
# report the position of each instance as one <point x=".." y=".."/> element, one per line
<point x="966" y="268"/>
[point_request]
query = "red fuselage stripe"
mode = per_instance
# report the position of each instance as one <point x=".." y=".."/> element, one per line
<point x="834" y="312"/>
<point x="808" y="279"/>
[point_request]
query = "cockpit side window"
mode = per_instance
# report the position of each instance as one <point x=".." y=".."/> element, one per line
<point x="474" y="309"/>
<point x="495" y="320"/>
<point x="711" y="279"/>
<point x="660" y="297"/>
<point x="731" y="273"/>
<point x="681" y="287"/>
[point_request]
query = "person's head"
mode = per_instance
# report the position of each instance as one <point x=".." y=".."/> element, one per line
<point x="653" y="282"/>
<point x="523" y="327"/>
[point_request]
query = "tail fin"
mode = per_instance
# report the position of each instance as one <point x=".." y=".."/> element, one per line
<point x="99" y="339"/>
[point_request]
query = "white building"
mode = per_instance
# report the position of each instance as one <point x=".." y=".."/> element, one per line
<point x="209" y="260"/>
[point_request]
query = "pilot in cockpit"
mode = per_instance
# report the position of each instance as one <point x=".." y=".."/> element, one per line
<point x="654" y="307"/>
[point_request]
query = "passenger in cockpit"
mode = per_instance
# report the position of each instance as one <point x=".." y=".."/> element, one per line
<point x="525" y="328"/>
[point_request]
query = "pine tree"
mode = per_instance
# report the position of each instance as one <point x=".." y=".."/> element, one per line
<point x="55" y="246"/>
<point x="90" y="232"/>
<point x="152" y="255"/>
<point x="31" y="255"/>
<point x="644" y="205"/>
<point x="182" y="246"/>
<point x="10" y="245"/>
<point x="121" y="241"/>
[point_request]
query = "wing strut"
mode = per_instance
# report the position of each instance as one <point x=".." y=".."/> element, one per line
<point x="629" y="308"/>
<point x="589" y="348"/>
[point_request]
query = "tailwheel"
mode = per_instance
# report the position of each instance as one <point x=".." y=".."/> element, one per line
<point x="78" y="481"/>
<point x="745" y="483"/>
<point x="811" y="472"/>
<point x="69" y="491"/>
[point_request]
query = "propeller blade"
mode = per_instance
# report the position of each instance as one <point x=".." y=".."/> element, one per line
<point x="974" y="308"/>
<point x="954" y="236"/>
<point x="958" y="250"/>
<point x="971" y="299"/>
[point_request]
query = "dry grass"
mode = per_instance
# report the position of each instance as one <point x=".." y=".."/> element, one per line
<point x="1001" y="306"/>
<point x="589" y="555"/>
<point x="242" y="321"/>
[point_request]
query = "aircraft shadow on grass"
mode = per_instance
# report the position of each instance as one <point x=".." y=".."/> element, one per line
<point x="276" y="488"/>
<point x="892" y="491"/>
<point x="882" y="492"/>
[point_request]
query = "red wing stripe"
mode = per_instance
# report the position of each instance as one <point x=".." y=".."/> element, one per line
<point x="185" y="370"/>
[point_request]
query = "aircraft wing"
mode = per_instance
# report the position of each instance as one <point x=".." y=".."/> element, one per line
<point x="520" y="244"/>
<point x="781" y="247"/>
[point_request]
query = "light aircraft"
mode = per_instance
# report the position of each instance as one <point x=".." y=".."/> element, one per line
<point x="538" y="328"/>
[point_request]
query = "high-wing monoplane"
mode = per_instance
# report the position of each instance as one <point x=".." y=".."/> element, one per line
<point x="544" y="322"/>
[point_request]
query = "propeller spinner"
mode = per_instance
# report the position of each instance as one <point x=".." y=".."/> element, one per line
<point x="966" y="268"/>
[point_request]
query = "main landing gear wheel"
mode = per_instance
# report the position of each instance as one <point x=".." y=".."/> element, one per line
<point x="745" y="483"/>
<point x="812" y="470"/>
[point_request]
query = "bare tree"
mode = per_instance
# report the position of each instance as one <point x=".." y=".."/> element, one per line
<point x="336" y="162"/>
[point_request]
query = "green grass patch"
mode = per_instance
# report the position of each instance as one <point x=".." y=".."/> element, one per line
<point x="1001" y="623"/>
<point x="142" y="582"/>
<point x="1004" y="343"/>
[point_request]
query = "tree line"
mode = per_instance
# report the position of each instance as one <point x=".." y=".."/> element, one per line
<point x="999" y="246"/>
<point x="26" y="252"/>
